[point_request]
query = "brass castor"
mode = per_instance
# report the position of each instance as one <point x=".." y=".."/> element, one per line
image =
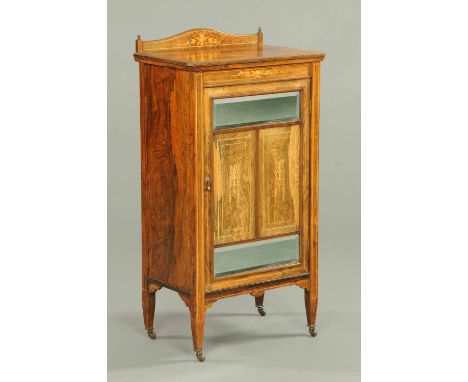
<point x="200" y="355"/>
<point x="261" y="311"/>
<point x="312" y="330"/>
<point x="151" y="333"/>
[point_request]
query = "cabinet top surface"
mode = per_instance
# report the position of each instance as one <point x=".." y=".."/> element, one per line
<point x="206" y="48"/>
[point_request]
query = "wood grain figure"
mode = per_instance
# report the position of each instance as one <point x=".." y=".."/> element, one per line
<point x="279" y="158"/>
<point x="234" y="186"/>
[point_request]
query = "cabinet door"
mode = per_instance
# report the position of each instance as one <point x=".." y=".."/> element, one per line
<point x="257" y="155"/>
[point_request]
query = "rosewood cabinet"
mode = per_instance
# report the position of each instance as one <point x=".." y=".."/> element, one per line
<point x="229" y="170"/>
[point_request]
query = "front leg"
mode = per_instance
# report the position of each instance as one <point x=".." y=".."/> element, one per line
<point x="311" y="300"/>
<point x="149" y="303"/>
<point x="197" y="321"/>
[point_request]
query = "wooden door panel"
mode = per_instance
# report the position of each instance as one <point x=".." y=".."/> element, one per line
<point x="234" y="186"/>
<point x="228" y="226"/>
<point x="279" y="156"/>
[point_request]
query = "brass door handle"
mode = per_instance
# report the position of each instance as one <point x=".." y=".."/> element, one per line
<point x="207" y="183"/>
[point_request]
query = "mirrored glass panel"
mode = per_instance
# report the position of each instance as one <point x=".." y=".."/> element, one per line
<point x="257" y="254"/>
<point x="241" y="111"/>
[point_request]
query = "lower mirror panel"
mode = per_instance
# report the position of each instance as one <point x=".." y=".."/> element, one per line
<point x="258" y="254"/>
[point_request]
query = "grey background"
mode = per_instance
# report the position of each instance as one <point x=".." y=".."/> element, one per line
<point x="239" y="344"/>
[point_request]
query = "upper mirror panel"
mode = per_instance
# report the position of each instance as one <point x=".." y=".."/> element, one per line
<point x="242" y="111"/>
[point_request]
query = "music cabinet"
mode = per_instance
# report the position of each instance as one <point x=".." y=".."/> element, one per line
<point x="229" y="170"/>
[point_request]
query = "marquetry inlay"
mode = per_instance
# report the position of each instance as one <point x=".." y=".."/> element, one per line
<point x="199" y="38"/>
<point x="204" y="38"/>
<point x="257" y="73"/>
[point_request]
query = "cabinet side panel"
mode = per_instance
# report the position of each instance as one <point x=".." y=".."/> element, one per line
<point x="169" y="179"/>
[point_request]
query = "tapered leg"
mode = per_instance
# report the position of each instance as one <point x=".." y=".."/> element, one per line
<point x="311" y="311"/>
<point x="149" y="302"/>
<point x="259" y="304"/>
<point x="197" y="321"/>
